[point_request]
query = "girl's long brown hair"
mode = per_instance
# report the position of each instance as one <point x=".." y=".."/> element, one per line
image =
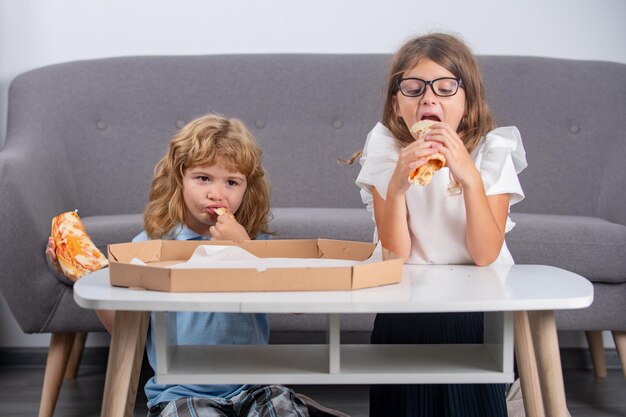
<point x="454" y="55"/>
<point x="205" y="141"/>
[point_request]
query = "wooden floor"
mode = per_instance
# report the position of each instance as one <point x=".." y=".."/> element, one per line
<point x="20" y="388"/>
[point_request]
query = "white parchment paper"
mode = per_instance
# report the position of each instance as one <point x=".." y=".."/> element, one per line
<point x="234" y="257"/>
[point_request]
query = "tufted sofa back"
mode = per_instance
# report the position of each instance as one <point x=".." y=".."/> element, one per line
<point x="98" y="127"/>
<point x="572" y="117"/>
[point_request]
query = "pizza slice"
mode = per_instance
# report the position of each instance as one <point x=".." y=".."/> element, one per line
<point x="224" y="211"/>
<point x="423" y="174"/>
<point x="75" y="251"/>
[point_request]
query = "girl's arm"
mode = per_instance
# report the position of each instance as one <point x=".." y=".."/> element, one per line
<point x="390" y="213"/>
<point x="486" y="219"/>
<point x="485" y="216"/>
<point x="392" y="225"/>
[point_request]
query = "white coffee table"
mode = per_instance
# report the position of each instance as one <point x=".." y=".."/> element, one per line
<point x="521" y="297"/>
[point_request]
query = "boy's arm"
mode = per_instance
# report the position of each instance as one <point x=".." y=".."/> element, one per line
<point x="227" y="228"/>
<point x="107" y="317"/>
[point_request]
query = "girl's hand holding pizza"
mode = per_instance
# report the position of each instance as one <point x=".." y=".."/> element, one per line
<point x="412" y="156"/>
<point x="447" y="142"/>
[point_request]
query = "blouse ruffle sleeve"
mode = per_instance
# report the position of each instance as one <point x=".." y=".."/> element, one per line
<point x="502" y="157"/>
<point x="378" y="162"/>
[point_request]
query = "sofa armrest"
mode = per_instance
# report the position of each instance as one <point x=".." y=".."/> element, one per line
<point x="32" y="194"/>
<point x="612" y="200"/>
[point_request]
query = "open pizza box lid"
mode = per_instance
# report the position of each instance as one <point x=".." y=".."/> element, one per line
<point x="375" y="266"/>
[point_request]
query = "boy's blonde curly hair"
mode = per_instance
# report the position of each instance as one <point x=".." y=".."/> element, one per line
<point x="205" y="141"/>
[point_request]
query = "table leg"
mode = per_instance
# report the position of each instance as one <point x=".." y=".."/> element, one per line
<point x="124" y="365"/>
<point x="546" y="345"/>
<point x="334" y="343"/>
<point x="527" y="366"/>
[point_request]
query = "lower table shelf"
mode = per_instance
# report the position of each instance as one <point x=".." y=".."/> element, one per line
<point x="310" y="364"/>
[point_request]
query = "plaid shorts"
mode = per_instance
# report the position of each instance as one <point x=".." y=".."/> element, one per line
<point x="256" y="401"/>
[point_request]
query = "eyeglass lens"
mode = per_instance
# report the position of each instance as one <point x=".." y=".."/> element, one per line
<point x="443" y="87"/>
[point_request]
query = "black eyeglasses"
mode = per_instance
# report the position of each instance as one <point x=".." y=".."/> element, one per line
<point x="442" y="87"/>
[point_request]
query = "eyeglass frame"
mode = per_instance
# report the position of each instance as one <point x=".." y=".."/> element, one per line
<point x="459" y="84"/>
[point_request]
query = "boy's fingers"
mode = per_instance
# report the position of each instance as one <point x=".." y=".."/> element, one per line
<point x="54" y="264"/>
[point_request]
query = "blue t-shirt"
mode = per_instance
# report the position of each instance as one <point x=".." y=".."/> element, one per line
<point x="203" y="329"/>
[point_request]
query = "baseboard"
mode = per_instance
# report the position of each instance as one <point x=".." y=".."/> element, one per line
<point x="571" y="358"/>
<point x="37" y="356"/>
<point x="580" y="358"/>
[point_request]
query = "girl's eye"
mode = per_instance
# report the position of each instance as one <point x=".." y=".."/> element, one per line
<point x="204" y="179"/>
<point x="445" y="91"/>
<point x="415" y="92"/>
<point x="231" y="183"/>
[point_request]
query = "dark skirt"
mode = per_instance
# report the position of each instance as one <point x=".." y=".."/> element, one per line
<point x="436" y="400"/>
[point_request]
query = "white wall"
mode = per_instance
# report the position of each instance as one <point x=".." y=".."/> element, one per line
<point x="34" y="33"/>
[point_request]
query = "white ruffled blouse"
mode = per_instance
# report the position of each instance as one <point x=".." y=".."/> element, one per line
<point x="437" y="218"/>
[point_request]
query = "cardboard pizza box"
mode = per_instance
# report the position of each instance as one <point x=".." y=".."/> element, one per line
<point x="159" y="256"/>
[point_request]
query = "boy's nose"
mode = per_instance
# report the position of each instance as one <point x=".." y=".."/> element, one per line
<point x="215" y="193"/>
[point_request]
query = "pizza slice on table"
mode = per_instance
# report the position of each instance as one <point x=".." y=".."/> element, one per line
<point x="75" y="251"/>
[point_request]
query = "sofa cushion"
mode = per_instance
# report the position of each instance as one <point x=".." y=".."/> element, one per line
<point x="606" y="311"/>
<point x="288" y="223"/>
<point x="589" y="246"/>
<point x="592" y="247"/>
<point x="112" y="228"/>
<point x="331" y="223"/>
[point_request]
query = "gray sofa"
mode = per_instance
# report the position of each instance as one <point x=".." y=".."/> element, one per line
<point x="86" y="135"/>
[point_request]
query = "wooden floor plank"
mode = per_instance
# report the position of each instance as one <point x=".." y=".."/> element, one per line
<point x="20" y="388"/>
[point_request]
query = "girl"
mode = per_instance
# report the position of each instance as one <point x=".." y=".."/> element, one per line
<point x="461" y="217"/>
<point x="211" y="163"/>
